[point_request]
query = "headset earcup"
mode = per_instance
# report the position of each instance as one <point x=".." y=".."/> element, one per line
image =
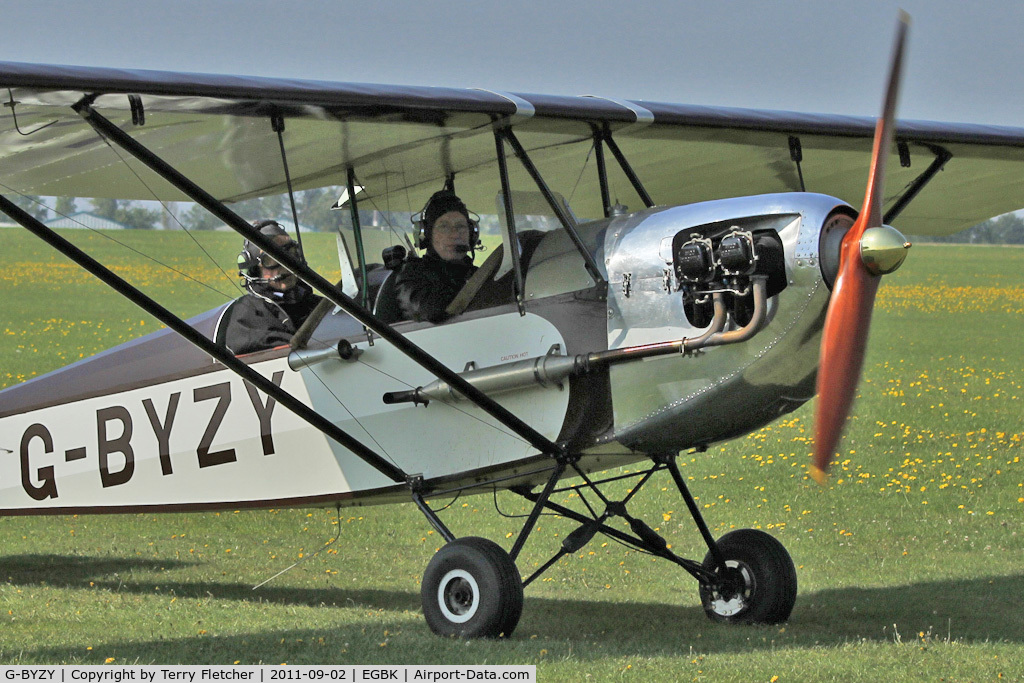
<point x="248" y="261"/>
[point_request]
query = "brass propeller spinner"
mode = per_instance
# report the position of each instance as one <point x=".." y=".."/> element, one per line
<point x="883" y="249"/>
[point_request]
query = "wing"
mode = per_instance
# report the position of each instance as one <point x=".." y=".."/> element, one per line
<point x="403" y="142"/>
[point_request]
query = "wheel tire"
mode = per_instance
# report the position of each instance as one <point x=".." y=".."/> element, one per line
<point x="472" y="589"/>
<point x="759" y="586"/>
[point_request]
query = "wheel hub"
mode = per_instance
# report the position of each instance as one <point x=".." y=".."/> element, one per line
<point x="458" y="596"/>
<point x="731" y="593"/>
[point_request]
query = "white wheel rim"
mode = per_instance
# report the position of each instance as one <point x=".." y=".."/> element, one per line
<point x="458" y="596"/>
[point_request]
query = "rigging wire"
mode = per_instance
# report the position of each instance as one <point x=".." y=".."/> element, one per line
<point x="169" y="212"/>
<point x="386" y="214"/>
<point x="593" y="146"/>
<point x="321" y="380"/>
<point x="337" y="510"/>
<point x="233" y="282"/>
<point x="388" y="220"/>
<point x="341" y="403"/>
<point x="115" y="241"/>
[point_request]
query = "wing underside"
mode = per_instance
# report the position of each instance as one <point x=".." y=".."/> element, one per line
<point x="403" y="142"/>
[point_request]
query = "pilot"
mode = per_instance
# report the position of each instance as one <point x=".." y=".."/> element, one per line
<point x="425" y="286"/>
<point x="277" y="302"/>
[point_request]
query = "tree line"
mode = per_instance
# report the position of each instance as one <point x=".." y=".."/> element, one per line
<point x="312" y="206"/>
<point x="313" y="209"/>
<point x="1005" y="229"/>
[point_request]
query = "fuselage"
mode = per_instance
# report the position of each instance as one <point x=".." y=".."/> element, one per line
<point x="157" y="424"/>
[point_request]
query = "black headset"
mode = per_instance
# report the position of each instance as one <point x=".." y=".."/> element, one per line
<point x="249" y="259"/>
<point x="423" y="231"/>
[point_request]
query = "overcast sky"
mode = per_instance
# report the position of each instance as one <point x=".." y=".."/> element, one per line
<point x="964" y="61"/>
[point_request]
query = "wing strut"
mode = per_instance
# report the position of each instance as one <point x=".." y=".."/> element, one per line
<point x="606" y="135"/>
<point x="218" y="352"/>
<point x="111" y="132"/>
<point x="277" y="125"/>
<point x="510" y="224"/>
<point x="357" y="229"/>
<point x="602" y="173"/>
<point x="559" y="210"/>
<point x="942" y="155"/>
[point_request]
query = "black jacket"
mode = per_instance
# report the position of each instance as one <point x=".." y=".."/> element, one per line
<point x="262" y="321"/>
<point x="425" y="286"/>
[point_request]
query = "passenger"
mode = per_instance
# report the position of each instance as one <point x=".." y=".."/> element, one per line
<point x="425" y="286"/>
<point x="277" y="303"/>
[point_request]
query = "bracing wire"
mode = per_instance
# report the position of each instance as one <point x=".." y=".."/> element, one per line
<point x="355" y="419"/>
<point x="391" y="226"/>
<point x="169" y="212"/>
<point x="336" y="398"/>
<point x="293" y="565"/>
<point x="586" y="161"/>
<point x="116" y="241"/>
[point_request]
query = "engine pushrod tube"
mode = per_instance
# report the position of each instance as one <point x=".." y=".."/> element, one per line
<point x="199" y="340"/>
<point x="111" y="132"/>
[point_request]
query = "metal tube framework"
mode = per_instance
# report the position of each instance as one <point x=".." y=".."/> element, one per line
<point x="643" y="537"/>
<point x="510" y="222"/>
<point x="559" y="210"/>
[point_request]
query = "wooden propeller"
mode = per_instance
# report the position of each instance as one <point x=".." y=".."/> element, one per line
<point x="848" y="318"/>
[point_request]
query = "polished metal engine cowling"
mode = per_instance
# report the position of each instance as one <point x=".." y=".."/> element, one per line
<point x="672" y="403"/>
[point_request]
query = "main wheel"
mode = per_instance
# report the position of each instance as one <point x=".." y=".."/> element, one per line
<point x="758" y="584"/>
<point x="472" y="589"/>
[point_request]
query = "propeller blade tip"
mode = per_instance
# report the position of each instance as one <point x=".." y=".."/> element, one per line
<point x="819" y="475"/>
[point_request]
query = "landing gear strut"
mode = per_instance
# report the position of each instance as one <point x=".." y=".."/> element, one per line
<point x="472" y="587"/>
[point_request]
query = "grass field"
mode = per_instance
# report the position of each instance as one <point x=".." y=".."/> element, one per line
<point x="911" y="561"/>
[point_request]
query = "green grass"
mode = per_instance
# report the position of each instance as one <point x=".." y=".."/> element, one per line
<point x="910" y="560"/>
